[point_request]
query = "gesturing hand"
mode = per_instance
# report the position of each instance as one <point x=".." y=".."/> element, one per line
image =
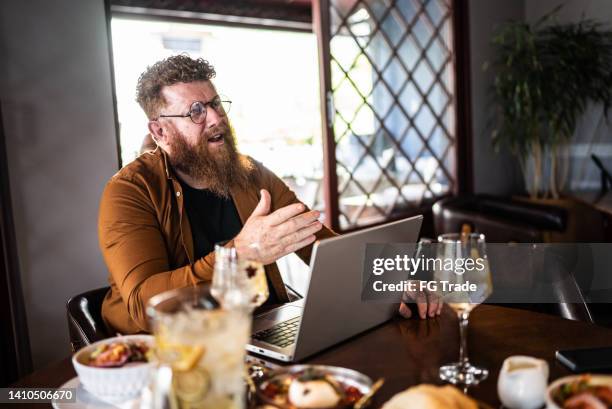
<point x="266" y="236"/>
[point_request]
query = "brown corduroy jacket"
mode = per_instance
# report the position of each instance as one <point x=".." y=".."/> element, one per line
<point x="146" y="240"/>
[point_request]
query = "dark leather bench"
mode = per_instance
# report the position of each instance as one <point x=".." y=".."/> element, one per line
<point x="501" y="220"/>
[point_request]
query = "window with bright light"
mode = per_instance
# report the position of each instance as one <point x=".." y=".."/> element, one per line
<point x="271" y="77"/>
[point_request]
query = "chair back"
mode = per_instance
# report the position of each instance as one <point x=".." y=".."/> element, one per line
<point x="85" y="323"/>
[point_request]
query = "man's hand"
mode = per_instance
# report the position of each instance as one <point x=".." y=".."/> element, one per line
<point x="266" y="236"/>
<point x="428" y="304"/>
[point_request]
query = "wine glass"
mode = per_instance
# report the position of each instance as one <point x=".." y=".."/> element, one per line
<point x="238" y="282"/>
<point x="455" y="249"/>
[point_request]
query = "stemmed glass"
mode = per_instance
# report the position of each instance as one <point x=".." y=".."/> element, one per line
<point x="238" y="282"/>
<point x="460" y="247"/>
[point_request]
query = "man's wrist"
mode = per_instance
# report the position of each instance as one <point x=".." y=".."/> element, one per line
<point x="247" y="251"/>
<point x="239" y="246"/>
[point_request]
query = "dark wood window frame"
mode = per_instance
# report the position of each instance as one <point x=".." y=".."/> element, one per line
<point x="269" y="14"/>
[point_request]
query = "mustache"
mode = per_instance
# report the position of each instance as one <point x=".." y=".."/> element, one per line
<point x="219" y="129"/>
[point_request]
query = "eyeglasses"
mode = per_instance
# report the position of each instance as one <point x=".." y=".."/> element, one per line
<point x="198" y="110"/>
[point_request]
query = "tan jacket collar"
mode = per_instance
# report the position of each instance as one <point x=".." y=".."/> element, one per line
<point x="167" y="167"/>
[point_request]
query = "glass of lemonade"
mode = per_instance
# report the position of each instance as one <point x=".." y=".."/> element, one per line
<point x="459" y="247"/>
<point x="203" y="345"/>
<point x="238" y="282"/>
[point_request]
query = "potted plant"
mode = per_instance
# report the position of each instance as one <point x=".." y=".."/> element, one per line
<point x="546" y="74"/>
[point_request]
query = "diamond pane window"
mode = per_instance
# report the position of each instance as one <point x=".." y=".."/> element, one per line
<point x="392" y="108"/>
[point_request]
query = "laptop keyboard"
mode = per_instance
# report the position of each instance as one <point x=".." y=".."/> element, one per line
<point x="282" y="334"/>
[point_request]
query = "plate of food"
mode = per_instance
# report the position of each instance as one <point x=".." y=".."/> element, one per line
<point x="85" y="400"/>
<point x="313" y="387"/>
<point x="580" y="392"/>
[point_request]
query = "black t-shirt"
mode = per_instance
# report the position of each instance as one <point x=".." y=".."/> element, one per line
<point x="213" y="218"/>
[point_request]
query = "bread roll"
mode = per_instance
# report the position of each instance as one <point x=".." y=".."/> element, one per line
<point x="430" y="397"/>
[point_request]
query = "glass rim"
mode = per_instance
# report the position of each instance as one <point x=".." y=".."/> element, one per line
<point x="181" y="295"/>
<point x="455" y="238"/>
<point x="221" y="246"/>
<point x="230" y="251"/>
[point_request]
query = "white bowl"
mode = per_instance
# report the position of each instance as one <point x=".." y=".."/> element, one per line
<point x="113" y="384"/>
<point x="595" y="380"/>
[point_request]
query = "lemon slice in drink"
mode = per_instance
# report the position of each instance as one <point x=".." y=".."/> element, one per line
<point x="191" y="386"/>
<point x="189" y="357"/>
<point x="180" y="357"/>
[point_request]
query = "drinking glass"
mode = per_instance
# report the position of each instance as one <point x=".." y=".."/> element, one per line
<point x="200" y="348"/>
<point x="238" y="282"/>
<point x="457" y="248"/>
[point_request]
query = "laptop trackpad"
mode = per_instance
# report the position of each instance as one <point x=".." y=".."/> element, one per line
<point x="276" y="316"/>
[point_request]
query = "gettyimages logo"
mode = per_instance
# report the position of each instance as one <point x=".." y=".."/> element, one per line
<point x="412" y="265"/>
<point x="526" y="273"/>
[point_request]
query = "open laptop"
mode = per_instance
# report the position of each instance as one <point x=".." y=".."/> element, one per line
<point x="332" y="309"/>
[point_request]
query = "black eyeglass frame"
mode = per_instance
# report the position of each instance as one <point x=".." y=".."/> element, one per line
<point x="205" y="105"/>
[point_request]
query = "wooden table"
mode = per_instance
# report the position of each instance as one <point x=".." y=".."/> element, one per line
<point x="409" y="352"/>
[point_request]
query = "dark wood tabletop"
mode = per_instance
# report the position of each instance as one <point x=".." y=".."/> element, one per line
<point x="409" y="352"/>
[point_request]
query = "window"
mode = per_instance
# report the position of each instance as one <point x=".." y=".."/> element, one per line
<point x="270" y="75"/>
<point x="390" y="142"/>
<point x="392" y="106"/>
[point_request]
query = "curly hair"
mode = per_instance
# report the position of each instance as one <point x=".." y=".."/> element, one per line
<point x="174" y="69"/>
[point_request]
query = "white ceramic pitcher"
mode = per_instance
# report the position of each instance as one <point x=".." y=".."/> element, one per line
<point x="522" y="382"/>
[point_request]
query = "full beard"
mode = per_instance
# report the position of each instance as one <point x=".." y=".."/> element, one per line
<point x="217" y="169"/>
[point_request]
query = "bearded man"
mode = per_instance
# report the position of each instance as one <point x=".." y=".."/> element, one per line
<point x="161" y="215"/>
